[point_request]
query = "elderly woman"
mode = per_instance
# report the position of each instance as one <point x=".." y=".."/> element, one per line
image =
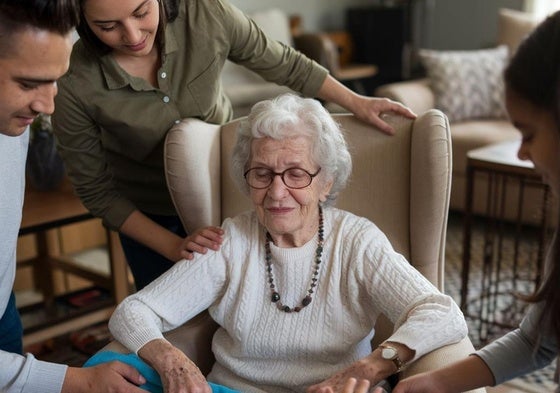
<point x="297" y="284"/>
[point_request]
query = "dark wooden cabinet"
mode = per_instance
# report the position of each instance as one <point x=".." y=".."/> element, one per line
<point x="381" y="35"/>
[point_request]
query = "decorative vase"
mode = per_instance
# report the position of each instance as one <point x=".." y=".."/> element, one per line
<point x="44" y="167"/>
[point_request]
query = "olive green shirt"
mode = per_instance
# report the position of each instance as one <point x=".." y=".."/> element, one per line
<point x="111" y="126"/>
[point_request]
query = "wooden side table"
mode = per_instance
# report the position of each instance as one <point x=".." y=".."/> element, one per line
<point x="510" y="252"/>
<point x="43" y="213"/>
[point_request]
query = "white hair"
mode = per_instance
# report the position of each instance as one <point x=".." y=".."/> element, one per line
<point x="283" y="117"/>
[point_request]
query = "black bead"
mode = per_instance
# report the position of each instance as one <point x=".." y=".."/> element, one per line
<point x="306" y="300"/>
<point x="275" y="297"/>
<point x="287" y="309"/>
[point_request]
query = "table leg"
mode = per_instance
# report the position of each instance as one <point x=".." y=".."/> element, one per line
<point x="467" y="238"/>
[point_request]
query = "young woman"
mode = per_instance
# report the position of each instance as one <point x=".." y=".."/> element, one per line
<point x="140" y="67"/>
<point x="533" y="103"/>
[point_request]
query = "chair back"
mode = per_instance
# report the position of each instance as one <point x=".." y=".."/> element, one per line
<point x="401" y="182"/>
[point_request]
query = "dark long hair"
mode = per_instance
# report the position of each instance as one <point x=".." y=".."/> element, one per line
<point x="534" y="74"/>
<point x="168" y="12"/>
<point x="59" y="16"/>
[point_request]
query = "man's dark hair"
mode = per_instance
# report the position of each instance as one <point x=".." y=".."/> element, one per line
<point x="59" y="16"/>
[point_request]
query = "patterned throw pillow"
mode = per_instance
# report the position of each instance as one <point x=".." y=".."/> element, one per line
<point x="467" y="84"/>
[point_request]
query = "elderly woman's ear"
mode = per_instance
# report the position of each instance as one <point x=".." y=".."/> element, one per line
<point x="326" y="190"/>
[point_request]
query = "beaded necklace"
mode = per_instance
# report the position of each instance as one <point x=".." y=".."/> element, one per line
<point x="275" y="296"/>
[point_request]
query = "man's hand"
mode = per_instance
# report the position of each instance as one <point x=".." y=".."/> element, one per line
<point x="108" y="377"/>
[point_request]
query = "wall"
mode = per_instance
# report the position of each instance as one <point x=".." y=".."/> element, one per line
<point x="466" y="24"/>
<point x="451" y="24"/>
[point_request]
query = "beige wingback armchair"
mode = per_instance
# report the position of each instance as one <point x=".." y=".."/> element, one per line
<point x="400" y="182"/>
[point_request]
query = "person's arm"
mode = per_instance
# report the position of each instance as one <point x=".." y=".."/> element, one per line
<point x="282" y="64"/>
<point x="424" y="318"/>
<point x="371" y="370"/>
<point x="176" y="370"/>
<point x="368" y="109"/>
<point x="79" y="143"/>
<point x="26" y="374"/>
<point x="522" y="350"/>
<point x="467" y="374"/>
<point x="142" y="229"/>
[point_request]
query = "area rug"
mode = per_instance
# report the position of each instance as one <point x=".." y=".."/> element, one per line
<point x="541" y="381"/>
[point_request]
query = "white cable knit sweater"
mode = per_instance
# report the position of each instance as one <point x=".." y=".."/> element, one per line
<point x="262" y="349"/>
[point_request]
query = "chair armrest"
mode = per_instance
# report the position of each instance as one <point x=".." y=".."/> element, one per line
<point x="441" y="357"/>
<point x="415" y="94"/>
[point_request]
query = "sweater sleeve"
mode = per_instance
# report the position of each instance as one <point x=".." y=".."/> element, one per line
<point x="520" y="351"/>
<point x="425" y="319"/>
<point x="25" y="374"/>
<point x="181" y="293"/>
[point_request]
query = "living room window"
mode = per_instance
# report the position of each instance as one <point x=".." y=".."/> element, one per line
<point x="542" y="8"/>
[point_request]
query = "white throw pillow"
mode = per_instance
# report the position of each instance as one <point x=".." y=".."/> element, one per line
<point x="467" y="84"/>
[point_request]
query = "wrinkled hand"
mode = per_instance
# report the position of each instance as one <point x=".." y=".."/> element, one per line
<point x="355" y="386"/>
<point x="177" y="372"/>
<point x="202" y="240"/>
<point x="371" y="110"/>
<point x="108" y="377"/>
<point x="184" y="377"/>
<point x="363" y="371"/>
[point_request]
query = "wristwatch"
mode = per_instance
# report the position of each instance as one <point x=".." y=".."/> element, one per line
<point x="388" y="352"/>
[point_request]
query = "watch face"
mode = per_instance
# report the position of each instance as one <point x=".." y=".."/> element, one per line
<point x="388" y="353"/>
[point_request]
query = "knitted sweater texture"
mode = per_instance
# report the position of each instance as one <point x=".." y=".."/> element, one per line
<point x="262" y="349"/>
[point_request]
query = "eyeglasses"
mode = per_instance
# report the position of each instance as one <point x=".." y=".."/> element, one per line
<point x="294" y="178"/>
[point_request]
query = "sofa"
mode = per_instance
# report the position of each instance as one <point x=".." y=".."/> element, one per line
<point x="390" y="170"/>
<point x="244" y="87"/>
<point x="484" y="125"/>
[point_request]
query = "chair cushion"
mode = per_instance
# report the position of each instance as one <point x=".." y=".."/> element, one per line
<point x="467" y="84"/>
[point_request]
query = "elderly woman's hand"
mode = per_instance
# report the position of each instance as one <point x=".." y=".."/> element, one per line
<point x="352" y="385"/>
<point x="372" y="109"/>
<point x="177" y="372"/>
<point x="201" y="241"/>
<point x="373" y="368"/>
<point x="363" y="370"/>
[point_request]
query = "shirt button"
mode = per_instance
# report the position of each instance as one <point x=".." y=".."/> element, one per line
<point x="166" y="99"/>
<point x="163" y="75"/>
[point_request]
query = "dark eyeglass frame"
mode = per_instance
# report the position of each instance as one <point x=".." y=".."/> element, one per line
<point x="281" y="174"/>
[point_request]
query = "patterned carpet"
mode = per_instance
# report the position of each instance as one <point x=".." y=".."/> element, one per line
<point x="506" y="307"/>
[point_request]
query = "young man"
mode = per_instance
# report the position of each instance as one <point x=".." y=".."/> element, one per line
<point x="35" y="46"/>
